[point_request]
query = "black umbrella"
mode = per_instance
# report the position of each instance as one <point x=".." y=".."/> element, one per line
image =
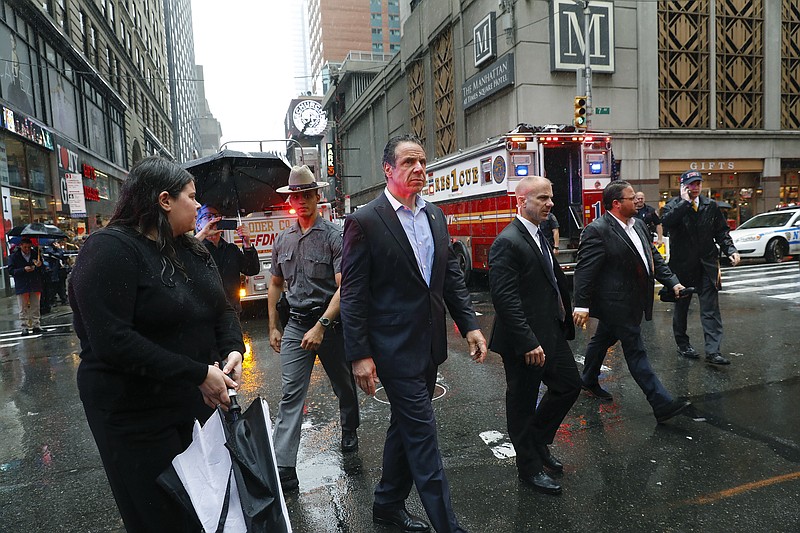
<point x="239" y="182"/>
<point x="227" y="479"/>
<point x="248" y="439"/>
<point x="38" y="230"/>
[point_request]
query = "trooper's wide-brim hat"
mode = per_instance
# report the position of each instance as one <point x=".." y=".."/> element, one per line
<point x="301" y="179"/>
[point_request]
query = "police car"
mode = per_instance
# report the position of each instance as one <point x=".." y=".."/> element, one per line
<point x="771" y="235"/>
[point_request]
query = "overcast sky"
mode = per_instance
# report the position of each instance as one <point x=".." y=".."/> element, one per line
<point x="241" y="45"/>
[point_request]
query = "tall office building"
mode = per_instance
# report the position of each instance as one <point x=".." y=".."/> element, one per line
<point x="297" y="23"/>
<point x="208" y="127"/>
<point x="181" y="69"/>
<point x="338" y="27"/>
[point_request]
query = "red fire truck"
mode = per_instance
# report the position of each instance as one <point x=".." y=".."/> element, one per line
<point x="475" y="187"/>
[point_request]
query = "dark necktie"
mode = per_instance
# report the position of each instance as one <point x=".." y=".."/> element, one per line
<point x="548" y="259"/>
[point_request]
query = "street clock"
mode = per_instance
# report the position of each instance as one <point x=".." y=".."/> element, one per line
<point x="309" y="118"/>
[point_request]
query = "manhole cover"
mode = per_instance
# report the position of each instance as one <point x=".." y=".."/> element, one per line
<point x="438" y="392"/>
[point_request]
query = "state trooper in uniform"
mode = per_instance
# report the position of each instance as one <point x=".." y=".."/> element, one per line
<point x="307" y="258"/>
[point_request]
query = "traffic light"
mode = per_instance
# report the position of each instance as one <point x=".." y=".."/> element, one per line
<point x="579" y="119"/>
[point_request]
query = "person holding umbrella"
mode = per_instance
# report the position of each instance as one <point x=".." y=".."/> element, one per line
<point x="160" y="344"/>
<point x="25" y="266"/>
<point x="230" y="260"/>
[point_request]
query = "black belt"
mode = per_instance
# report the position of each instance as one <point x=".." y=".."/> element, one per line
<point x="306" y="316"/>
<point x="309" y="317"/>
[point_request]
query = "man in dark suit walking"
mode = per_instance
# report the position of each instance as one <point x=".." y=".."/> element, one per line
<point x="532" y="324"/>
<point x="399" y="271"/>
<point x="614" y="281"/>
<point x="696" y="226"/>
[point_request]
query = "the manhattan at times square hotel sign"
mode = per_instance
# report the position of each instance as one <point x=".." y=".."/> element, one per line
<point x="568" y="39"/>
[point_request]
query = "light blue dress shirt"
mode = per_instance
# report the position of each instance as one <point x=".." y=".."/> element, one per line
<point x="418" y="230"/>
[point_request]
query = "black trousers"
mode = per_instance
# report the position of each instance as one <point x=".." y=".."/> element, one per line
<point x="709" y="316"/>
<point x="136" y="447"/>
<point x="530" y="424"/>
<point x="411" y="452"/>
<point x="643" y="374"/>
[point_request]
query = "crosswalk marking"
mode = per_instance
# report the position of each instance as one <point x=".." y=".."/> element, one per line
<point x="750" y="281"/>
<point x="764" y="287"/>
<point x="778" y="281"/>
<point x="740" y="272"/>
<point x="789" y="296"/>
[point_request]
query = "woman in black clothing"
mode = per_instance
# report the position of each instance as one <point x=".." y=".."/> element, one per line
<point x="160" y="345"/>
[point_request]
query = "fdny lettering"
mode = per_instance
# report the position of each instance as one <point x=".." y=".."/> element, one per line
<point x="264" y="239"/>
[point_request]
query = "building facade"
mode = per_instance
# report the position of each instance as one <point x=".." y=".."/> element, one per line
<point x="209" y="127"/>
<point x="82" y="97"/>
<point x="299" y="45"/>
<point x="184" y="104"/>
<point x="337" y="27"/>
<point x="710" y="85"/>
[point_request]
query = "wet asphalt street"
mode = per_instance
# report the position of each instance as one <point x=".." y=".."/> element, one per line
<point x="731" y="464"/>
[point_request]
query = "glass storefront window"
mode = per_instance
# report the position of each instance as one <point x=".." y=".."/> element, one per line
<point x="39" y="171"/>
<point x="17" y="172"/>
<point x="41" y="208"/>
<point x="790" y="188"/>
<point x="735" y="192"/>
<point x="21" y="208"/>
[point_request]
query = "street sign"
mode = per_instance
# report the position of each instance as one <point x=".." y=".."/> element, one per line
<point x="602" y="110"/>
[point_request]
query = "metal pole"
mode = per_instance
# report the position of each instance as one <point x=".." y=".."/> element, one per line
<point x="587" y="64"/>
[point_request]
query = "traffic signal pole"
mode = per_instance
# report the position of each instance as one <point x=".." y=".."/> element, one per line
<point x="587" y="64"/>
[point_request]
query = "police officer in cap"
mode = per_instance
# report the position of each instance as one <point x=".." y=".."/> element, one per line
<point x="696" y="227"/>
<point x="307" y="258"/>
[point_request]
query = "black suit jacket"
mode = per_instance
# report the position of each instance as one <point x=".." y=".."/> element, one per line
<point x="524" y="297"/>
<point x="610" y="277"/>
<point x="694" y="236"/>
<point x="388" y="311"/>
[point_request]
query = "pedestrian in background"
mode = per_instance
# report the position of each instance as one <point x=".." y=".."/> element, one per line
<point x="160" y="344"/>
<point x="27" y="268"/>
<point x="399" y="271"/>
<point x="532" y="325"/>
<point x="649" y="216"/>
<point x="549" y="228"/>
<point x="614" y="282"/>
<point x="307" y="259"/>
<point x="230" y="260"/>
<point x="696" y="228"/>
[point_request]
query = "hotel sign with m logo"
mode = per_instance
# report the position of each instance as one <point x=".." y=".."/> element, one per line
<point x="568" y="41"/>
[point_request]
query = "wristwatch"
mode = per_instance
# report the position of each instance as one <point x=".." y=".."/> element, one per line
<point x="326" y="322"/>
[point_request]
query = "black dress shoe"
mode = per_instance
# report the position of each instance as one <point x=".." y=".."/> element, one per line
<point x="598" y="392"/>
<point x="672" y="409"/>
<point x="550" y="463"/>
<point x="543" y="483"/>
<point x="689" y="353"/>
<point x="716" y="359"/>
<point x="25" y="332"/>
<point x="400" y="518"/>
<point x="36" y="331"/>
<point x="288" y="477"/>
<point x="349" y="441"/>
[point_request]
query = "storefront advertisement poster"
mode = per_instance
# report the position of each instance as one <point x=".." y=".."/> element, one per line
<point x="16" y="72"/>
<point x="8" y="221"/>
<point x="75" y="198"/>
<point x="3" y="163"/>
